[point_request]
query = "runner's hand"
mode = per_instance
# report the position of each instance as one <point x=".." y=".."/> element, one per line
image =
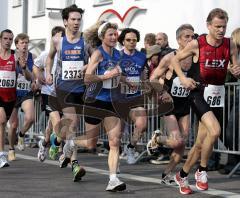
<point x="188" y="83"/>
<point x="49" y="79"/>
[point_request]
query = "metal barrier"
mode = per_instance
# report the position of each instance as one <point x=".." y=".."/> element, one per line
<point x="227" y="143"/>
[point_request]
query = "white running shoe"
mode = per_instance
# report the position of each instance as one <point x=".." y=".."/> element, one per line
<point x="3" y="161"/>
<point x="42" y="152"/>
<point x="116" y="185"/>
<point x="68" y="149"/>
<point x="152" y="145"/>
<point x="169" y="180"/>
<point x="131" y="157"/>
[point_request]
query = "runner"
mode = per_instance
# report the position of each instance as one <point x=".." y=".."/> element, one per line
<point x="7" y="85"/>
<point x="177" y="121"/>
<point x="211" y="53"/>
<point x="25" y="88"/>
<point x="48" y="93"/>
<point x="132" y="65"/>
<point x="104" y="62"/>
<point x="72" y="58"/>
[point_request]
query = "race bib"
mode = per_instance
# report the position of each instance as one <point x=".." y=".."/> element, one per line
<point x="214" y="95"/>
<point x="125" y="89"/>
<point x="178" y="90"/>
<point x="23" y="84"/>
<point x="111" y="83"/>
<point x="72" y="70"/>
<point x="7" y="79"/>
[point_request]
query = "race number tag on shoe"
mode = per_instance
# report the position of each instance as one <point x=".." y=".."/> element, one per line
<point x="214" y="95"/>
<point x="178" y="90"/>
<point x="111" y="83"/>
<point x="125" y="89"/>
<point x="7" y="79"/>
<point x="23" y="84"/>
<point x="72" y="70"/>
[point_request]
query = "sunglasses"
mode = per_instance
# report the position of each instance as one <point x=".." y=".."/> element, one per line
<point x="129" y="40"/>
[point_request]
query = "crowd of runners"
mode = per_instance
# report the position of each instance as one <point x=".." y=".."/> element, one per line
<point x="101" y="75"/>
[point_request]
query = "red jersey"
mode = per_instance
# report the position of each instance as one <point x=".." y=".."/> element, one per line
<point x="8" y="79"/>
<point x="213" y="61"/>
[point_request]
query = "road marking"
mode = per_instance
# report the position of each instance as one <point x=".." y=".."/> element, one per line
<point x="210" y="191"/>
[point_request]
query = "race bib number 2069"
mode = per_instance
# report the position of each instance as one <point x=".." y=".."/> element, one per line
<point x="7" y="79"/>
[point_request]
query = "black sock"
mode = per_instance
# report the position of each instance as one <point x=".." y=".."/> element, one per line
<point x="183" y="173"/>
<point x="163" y="175"/>
<point x="20" y="134"/>
<point x="200" y="168"/>
<point x="130" y="146"/>
<point x="56" y="142"/>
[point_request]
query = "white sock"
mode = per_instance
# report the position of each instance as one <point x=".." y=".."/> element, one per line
<point x="112" y="177"/>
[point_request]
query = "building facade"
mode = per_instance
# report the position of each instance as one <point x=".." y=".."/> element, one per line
<point x="37" y="17"/>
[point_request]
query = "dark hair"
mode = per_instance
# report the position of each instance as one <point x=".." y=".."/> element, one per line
<point x="5" y="31"/>
<point x="72" y="8"/>
<point x="126" y="31"/>
<point x="57" y="29"/>
<point x="217" y="12"/>
<point x="183" y="27"/>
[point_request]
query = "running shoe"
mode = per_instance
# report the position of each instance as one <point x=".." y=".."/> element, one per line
<point x="63" y="161"/>
<point x="3" y="161"/>
<point x="53" y="152"/>
<point x="11" y="155"/>
<point x="201" y="180"/>
<point x="42" y="152"/>
<point x="67" y="153"/>
<point x="78" y="172"/>
<point x="20" y="144"/>
<point x="152" y="145"/>
<point x="184" y="187"/>
<point x="131" y="155"/>
<point x="169" y="180"/>
<point x="116" y="185"/>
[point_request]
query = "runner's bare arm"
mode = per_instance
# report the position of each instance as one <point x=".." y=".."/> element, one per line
<point x="162" y="67"/>
<point x="50" y="59"/>
<point x="190" y="50"/>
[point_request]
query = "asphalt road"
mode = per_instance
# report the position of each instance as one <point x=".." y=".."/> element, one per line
<point x="27" y="177"/>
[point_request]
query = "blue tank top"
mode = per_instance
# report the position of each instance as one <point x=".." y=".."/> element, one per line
<point x="132" y="67"/>
<point x="108" y="63"/>
<point x="70" y="64"/>
<point x="23" y="85"/>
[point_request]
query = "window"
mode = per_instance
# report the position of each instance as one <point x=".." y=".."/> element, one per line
<point x="40" y="7"/>
<point x="70" y="2"/>
<point x="16" y="3"/>
<point x="102" y="2"/>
